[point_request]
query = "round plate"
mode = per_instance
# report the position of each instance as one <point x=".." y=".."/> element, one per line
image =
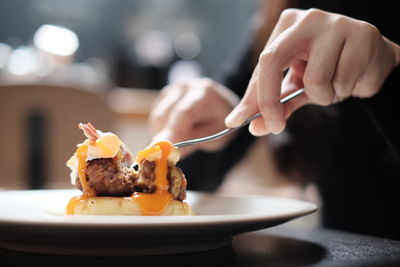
<point x="33" y="221"/>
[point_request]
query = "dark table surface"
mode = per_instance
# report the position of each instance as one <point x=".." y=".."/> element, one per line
<point x="279" y="246"/>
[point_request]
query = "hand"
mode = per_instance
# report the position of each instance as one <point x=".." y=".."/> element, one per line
<point x="332" y="56"/>
<point x="189" y="110"/>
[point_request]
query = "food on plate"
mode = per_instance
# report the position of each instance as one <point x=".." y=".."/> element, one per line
<point x="102" y="169"/>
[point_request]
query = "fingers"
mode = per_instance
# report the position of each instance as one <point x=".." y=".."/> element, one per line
<point x="272" y="63"/>
<point x="181" y="122"/>
<point x="185" y="115"/>
<point x="313" y="37"/>
<point x="168" y="98"/>
<point x="320" y="70"/>
<point x="198" y="112"/>
<point x="292" y="82"/>
<point x="357" y="73"/>
<point x="350" y="67"/>
<point x="247" y="106"/>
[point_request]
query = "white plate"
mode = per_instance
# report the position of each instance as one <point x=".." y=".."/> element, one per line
<point x="29" y="222"/>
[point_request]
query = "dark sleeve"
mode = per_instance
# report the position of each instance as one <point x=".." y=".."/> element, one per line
<point x="236" y="71"/>
<point x="383" y="110"/>
<point x="205" y="170"/>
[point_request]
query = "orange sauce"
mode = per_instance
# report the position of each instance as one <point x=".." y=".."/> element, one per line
<point x="106" y="149"/>
<point x="141" y="155"/>
<point x="81" y="154"/>
<point x="150" y="204"/>
<point x="154" y="204"/>
<point x="73" y="202"/>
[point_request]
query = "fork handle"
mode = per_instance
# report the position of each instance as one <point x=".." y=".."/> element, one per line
<point x="230" y="130"/>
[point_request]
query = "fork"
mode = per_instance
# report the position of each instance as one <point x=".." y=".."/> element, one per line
<point x="231" y="130"/>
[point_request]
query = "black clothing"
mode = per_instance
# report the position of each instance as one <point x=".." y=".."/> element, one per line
<point x="351" y="150"/>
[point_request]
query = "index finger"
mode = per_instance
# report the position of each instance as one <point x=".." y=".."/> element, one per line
<point x="274" y="60"/>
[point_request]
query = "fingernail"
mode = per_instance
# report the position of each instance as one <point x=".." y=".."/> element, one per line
<point x="234" y="118"/>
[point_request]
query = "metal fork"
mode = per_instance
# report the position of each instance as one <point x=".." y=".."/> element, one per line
<point x="231" y="130"/>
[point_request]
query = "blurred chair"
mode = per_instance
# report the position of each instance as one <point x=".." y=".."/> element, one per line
<point x="39" y="132"/>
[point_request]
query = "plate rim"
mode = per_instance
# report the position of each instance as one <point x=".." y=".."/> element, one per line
<point x="168" y="221"/>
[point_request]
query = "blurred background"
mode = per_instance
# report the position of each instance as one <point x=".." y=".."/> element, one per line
<point x="126" y="43"/>
<point x="68" y="61"/>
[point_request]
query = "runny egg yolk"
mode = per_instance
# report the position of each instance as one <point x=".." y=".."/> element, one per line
<point x="154" y="204"/>
<point x="108" y="144"/>
<point x="81" y="154"/>
<point x="73" y="202"/>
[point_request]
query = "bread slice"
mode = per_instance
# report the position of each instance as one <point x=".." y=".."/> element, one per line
<point x="124" y="206"/>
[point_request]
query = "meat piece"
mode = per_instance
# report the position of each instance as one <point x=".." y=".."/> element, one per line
<point x="146" y="183"/>
<point x="147" y="180"/>
<point x="107" y="178"/>
<point x="177" y="183"/>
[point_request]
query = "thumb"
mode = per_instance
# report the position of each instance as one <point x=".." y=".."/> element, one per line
<point x="292" y="82"/>
<point x="247" y="106"/>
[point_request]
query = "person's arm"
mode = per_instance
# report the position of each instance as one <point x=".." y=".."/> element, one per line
<point x="206" y="170"/>
<point x="197" y="108"/>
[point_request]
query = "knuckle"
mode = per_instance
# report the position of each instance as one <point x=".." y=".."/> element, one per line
<point x="342" y="86"/>
<point x="318" y="89"/>
<point x="289" y="13"/>
<point x="184" y="110"/>
<point x="153" y="119"/>
<point x="178" y="85"/>
<point x="165" y="90"/>
<point x="342" y="91"/>
<point x="155" y="114"/>
<point x="364" y="93"/>
<point x="247" y="102"/>
<point x="269" y="55"/>
<point x="183" y="115"/>
<point x="369" y="93"/>
<point x="209" y="89"/>
<point x="268" y="106"/>
<point x="207" y="81"/>
<point x="314" y="80"/>
<point x="365" y="90"/>
<point x="314" y="14"/>
<point x="368" y="30"/>
<point x="156" y="121"/>
<point x="208" y="85"/>
<point x="339" y="23"/>
<point x="324" y="101"/>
